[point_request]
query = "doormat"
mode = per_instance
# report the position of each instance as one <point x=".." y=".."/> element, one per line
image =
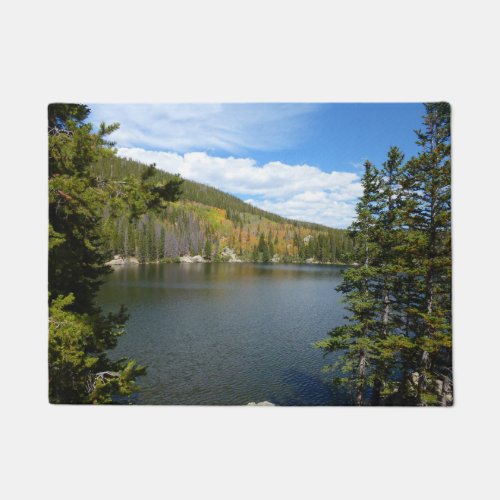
<point x="278" y="254"/>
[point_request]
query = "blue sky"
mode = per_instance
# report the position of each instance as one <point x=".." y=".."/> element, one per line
<point x="298" y="160"/>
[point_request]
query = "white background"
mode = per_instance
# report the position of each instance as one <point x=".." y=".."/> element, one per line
<point x="123" y="51"/>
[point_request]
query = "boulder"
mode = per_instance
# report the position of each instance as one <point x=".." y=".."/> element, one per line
<point x="438" y="386"/>
<point x="414" y="378"/>
<point x="229" y="255"/>
<point x="198" y="258"/>
<point x="117" y="260"/>
<point x="194" y="259"/>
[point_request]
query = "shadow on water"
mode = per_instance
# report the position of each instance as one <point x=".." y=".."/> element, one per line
<point x="304" y="389"/>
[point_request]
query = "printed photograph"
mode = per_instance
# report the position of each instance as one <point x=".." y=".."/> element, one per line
<point x="256" y="254"/>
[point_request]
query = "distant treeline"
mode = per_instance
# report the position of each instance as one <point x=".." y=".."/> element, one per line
<point x="205" y="220"/>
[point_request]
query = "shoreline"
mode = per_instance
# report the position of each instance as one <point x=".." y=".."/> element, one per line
<point x="127" y="262"/>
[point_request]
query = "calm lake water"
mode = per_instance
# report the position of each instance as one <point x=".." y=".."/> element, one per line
<point x="227" y="334"/>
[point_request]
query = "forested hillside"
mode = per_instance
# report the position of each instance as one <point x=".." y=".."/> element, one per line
<point x="206" y="220"/>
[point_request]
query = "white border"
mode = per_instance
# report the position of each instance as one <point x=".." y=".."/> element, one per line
<point x="249" y="51"/>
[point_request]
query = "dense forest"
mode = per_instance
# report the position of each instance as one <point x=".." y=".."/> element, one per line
<point x="80" y="334"/>
<point x="206" y="220"/>
<point x="395" y="348"/>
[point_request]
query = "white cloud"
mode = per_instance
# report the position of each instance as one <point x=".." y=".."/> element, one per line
<point x="236" y="128"/>
<point x="327" y="211"/>
<point x="297" y="191"/>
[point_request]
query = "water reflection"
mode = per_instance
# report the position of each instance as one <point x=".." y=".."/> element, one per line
<point x="228" y="333"/>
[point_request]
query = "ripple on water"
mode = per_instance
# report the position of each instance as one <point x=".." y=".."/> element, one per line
<point x="226" y="333"/>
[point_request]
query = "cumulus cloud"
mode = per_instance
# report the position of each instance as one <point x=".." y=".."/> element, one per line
<point x="300" y="192"/>
<point x="327" y="211"/>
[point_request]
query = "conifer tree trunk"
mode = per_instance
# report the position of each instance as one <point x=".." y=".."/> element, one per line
<point x="424" y="358"/>
<point x="361" y="376"/>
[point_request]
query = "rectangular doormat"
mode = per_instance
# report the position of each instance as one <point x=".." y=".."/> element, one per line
<point x="250" y="254"/>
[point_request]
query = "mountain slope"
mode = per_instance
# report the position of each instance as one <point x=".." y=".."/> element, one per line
<point x="205" y="220"/>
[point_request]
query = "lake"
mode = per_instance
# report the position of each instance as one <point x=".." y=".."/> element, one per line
<point x="227" y="334"/>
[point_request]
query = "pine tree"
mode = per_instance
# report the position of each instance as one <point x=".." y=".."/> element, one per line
<point x="387" y="234"/>
<point x="357" y="337"/>
<point x="207" y="251"/>
<point x="79" y="333"/>
<point x="427" y="187"/>
<point x="263" y="248"/>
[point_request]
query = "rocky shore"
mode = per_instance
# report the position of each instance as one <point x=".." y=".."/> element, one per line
<point x="227" y="255"/>
<point x="118" y="260"/>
